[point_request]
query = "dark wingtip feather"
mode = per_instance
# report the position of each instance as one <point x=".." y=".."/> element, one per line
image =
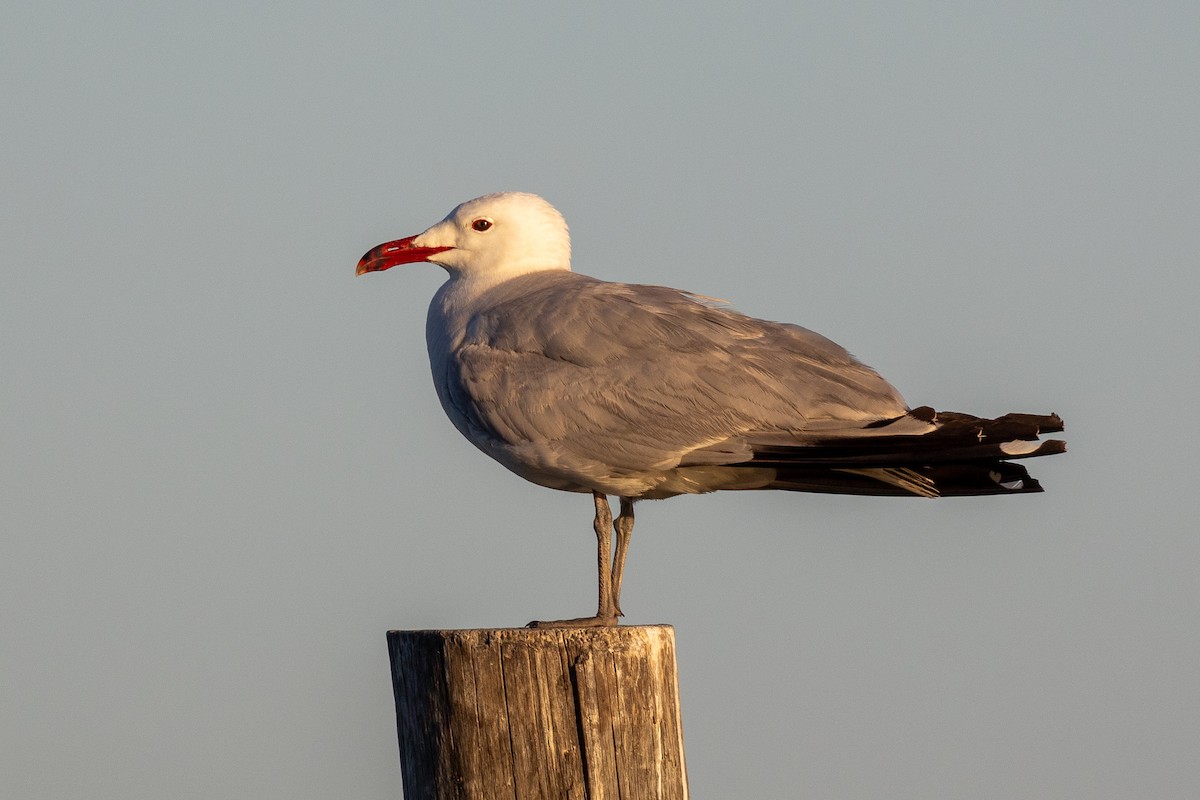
<point x="962" y="455"/>
<point x="945" y="480"/>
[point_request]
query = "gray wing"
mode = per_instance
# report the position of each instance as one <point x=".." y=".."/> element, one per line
<point x="563" y="374"/>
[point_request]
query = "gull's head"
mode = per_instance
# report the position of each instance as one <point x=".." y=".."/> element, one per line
<point x="494" y="237"/>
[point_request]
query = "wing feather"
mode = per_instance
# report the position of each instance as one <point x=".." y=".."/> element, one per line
<point x="571" y="375"/>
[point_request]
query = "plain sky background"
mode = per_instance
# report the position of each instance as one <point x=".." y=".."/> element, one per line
<point x="224" y="473"/>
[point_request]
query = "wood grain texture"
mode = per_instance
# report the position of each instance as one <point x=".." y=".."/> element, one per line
<point x="529" y="713"/>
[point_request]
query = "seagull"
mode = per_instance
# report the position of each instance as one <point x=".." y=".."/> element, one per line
<point x="646" y="392"/>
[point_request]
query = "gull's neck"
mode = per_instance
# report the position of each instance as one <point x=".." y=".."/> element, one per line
<point x="460" y="294"/>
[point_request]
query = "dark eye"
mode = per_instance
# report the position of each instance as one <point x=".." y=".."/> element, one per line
<point x="481" y="224"/>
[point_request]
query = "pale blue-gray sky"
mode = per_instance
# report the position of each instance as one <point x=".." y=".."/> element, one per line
<point x="225" y="473"/>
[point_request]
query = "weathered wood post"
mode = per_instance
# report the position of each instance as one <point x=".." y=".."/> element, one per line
<point x="539" y="713"/>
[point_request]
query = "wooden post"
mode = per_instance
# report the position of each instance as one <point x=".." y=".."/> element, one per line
<point x="539" y="713"/>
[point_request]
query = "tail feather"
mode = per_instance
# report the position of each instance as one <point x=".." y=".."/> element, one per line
<point x="955" y="454"/>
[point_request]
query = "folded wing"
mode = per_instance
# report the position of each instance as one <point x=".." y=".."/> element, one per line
<point x="648" y="391"/>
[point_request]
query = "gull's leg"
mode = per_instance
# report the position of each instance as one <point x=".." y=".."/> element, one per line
<point x="624" y="528"/>
<point x="606" y="610"/>
<point x="603" y="525"/>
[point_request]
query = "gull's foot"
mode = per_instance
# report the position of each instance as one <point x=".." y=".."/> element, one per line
<point x="598" y="621"/>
